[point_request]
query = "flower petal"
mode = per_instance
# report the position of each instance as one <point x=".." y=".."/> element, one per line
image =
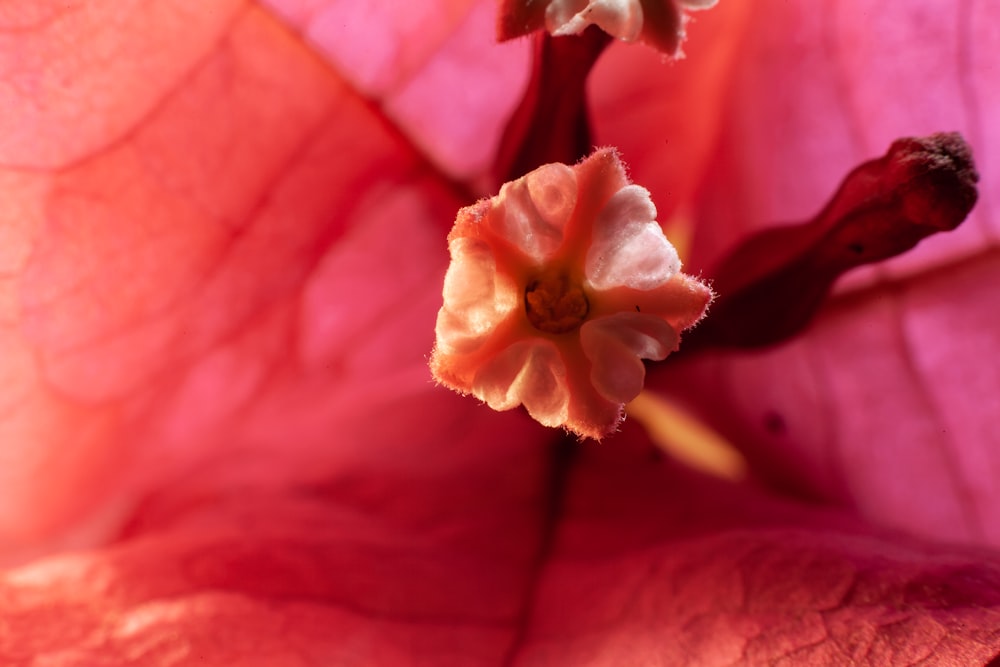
<point x="615" y="346"/>
<point x="682" y="301"/>
<point x="472" y="307"/>
<point x="445" y="563"/>
<point x="410" y="57"/>
<point x="64" y="101"/>
<point x="422" y="550"/>
<point x="535" y="210"/>
<point x="655" y="565"/>
<point x="888" y="402"/>
<point x="575" y="243"/>
<point x="619" y="18"/>
<point x="210" y="279"/>
<point x="529" y="372"/>
<point x="628" y="247"/>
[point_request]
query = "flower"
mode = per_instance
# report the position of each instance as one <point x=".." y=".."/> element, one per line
<point x="659" y="23"/>
<point x="222" y="259"/>
<point x="558" y="288"/>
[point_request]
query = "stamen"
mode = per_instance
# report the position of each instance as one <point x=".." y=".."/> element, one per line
<point x="554" y="304"/>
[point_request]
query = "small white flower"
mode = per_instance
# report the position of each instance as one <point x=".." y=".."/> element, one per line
<point x="558" y="288"/>
<point x="659" y="23"/>
<point x="619" y="18"/>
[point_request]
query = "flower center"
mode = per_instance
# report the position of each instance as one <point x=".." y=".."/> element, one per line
<point x="554" y="304"/>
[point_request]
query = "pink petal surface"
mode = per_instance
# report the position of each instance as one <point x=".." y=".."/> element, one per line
<point x="853" y="77"/>
<point x="350" y="573"/>
<point x="654" y="565"/>
<point x="893" y="383"/>
<point x="73" y="97"/>
<point x="215" y="314"/>
<point x="665" y="118"/>
<point x="536" y="218"/>
<point x="629" y="248"/>
<point x="886" y="388"/>
<point x="650" y="565"/>
<point x="180" y="295"/>
<point x="403" y="55"/>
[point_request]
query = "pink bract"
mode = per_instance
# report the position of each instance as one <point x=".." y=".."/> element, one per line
<point x="222" y="259"/>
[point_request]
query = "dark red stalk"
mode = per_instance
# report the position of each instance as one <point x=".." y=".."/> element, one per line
<point x="551" y="123"/>
<point x="773" y="283"/>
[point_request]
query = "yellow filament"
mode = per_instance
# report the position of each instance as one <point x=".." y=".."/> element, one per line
<point x="686" y="438"/>
<point x="680" y="230"/>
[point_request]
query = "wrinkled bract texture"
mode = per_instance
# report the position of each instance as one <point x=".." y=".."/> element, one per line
<point x="221" y="259"/>
<point x="558" y="288"/>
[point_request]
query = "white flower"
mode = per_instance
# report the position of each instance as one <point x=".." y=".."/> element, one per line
<point x="657" y="22"/>
<point x="558" y="288"/>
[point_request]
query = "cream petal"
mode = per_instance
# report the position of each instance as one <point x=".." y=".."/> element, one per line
<point x="628" y="247"/>
<point x="619" y="18"/>
<point x="559" y="12"/>
<point x="529" y="372"/>
<point x="533" y="210"/>
<point x="473" y="302"/>
<point x="616" y="345"/>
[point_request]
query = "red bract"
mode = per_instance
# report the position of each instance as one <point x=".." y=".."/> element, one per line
<point x="221" y="268"/>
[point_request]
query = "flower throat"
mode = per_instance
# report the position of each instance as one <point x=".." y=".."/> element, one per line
<point x="554" y="304"/>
